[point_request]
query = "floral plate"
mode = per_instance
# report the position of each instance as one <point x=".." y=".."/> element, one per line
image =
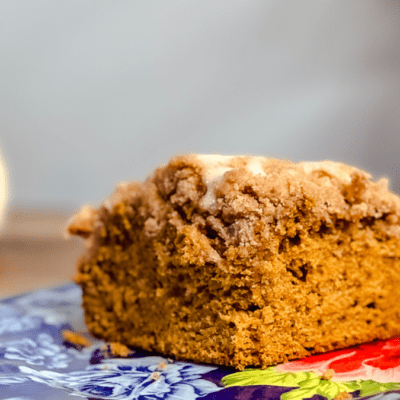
<point x="36" y="364"/>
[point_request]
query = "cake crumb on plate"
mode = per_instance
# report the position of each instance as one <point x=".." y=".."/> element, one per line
<point x="327" y="375"/>
<point x="76" y="339"/>
<point x="343" y="396"/>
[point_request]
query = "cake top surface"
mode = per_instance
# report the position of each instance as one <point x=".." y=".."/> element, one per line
<point x="216" y="165"/>
<point x="334" y="189"/>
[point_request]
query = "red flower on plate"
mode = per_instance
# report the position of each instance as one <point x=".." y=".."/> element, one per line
<point x="378" y="361"/>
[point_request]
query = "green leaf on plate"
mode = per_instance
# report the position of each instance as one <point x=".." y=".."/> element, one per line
<point x="267" y="377"/>
<point x="326" y="388"/>
<point x="299" y="394"/>
<point x="305" y="384"/>
<point x="370" y="387"/>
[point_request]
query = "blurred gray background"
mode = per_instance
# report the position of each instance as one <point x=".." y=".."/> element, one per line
<point x="95" y="92"/>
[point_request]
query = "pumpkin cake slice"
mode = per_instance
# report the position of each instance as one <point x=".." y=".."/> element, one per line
<point x="241" y="261"/>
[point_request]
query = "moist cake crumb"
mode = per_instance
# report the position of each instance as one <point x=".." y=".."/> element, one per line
<point x="243" y="261"/>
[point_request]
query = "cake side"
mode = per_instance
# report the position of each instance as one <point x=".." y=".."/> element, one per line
<point x="132" y="290"/>
<point x="244" y="260"/>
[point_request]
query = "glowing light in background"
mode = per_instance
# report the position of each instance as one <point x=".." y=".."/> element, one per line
<point x="4" y="188"/>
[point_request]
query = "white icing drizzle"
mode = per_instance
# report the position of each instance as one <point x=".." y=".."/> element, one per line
<point x="215" y="168"/>
<point x="215" y="165"/>
<point x="340" y="171"/>
<point x="255" y="166"/>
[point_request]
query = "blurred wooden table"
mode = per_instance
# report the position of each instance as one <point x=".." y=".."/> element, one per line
<point x="34" y="253"/>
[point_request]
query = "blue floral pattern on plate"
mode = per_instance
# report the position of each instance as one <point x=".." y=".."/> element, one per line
<point x="35" y="364"/>
<point x="131" y="379"/>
